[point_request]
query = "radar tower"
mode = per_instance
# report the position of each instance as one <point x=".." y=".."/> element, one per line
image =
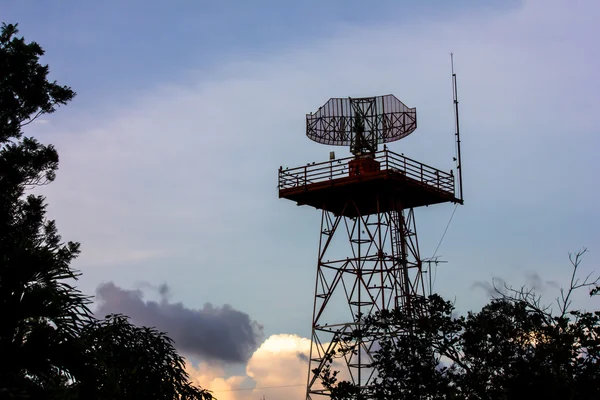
<point x="368" y="256"/>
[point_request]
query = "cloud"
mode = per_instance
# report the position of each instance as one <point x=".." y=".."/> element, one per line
<point x="533" y="281"/>
<point x="214" y="378"/>
<point x="210" y="333"/>
<point x="278" y="370"/>
<point x="274" y="370"/>
<point x="189" y="170"/>
<point x="490" y="287"/>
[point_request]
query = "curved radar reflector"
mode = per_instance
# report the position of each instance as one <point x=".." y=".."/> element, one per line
<point x="382" y="119"/>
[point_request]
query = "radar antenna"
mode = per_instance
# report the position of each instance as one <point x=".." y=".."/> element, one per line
<point x="361" y="123"/>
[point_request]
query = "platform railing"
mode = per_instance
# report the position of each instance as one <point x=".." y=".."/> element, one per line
<point x="388" y="161"/>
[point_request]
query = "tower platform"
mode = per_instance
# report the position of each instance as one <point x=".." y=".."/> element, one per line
<point x="373" y="184"/>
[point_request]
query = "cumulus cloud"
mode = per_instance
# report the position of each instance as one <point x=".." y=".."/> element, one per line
<point x="278" y="370"/>
<point x="210" y="333"/>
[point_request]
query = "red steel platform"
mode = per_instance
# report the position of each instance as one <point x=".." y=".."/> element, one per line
<point x="382" y="182"/>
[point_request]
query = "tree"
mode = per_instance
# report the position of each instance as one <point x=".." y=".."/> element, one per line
<point x="42" y="313"/>
<point x="130" y="362"/>
<point x="513" y="348"/>
<point x="50" y="344"/>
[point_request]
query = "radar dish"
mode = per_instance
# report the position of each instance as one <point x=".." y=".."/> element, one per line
<point x="361" y="123"/>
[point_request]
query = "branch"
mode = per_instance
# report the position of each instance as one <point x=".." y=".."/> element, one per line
<point x="22" y="124"/>
<point x="453" y="354"/>
<point x="528" y="296"/>
<point x="42" y="111"/>
<point x="564" y="302"/>
<point x="38" y="181"/>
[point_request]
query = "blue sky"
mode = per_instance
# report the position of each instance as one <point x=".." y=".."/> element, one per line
<point x="185" y="111"/>
<point x="127" y="45"/>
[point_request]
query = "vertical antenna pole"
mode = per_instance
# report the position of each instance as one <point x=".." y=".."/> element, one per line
<point x="457" y="126"/>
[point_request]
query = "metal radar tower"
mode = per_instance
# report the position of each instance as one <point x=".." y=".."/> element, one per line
<point x="368" y="256"/>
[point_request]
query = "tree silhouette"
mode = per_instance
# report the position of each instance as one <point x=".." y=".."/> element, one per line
<point x="513" y="348"/>
<point x="50" y="344"/>
<point x="130" y="362"/>
<point x="42" y="313"/>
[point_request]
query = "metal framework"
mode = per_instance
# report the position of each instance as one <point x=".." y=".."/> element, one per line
<point x="329" y="172"/>
<point x="382" y="270"/>
<point x="361" y="123"/>
<point x="368" y="256"/>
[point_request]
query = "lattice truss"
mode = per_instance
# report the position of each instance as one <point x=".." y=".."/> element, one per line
<point x="365" y="264"/>
<point x="385" y="119"/>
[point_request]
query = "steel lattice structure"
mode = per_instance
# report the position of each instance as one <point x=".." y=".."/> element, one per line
<point x="386" y="119"/>
<point x="383" y="271"/>
<point x="368" y="257"/>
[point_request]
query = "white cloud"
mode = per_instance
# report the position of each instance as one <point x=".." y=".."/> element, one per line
<point x="278" y="370"/>
<point x="275" y="370"/>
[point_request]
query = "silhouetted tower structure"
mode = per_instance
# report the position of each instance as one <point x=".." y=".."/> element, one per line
<point x="368" y="256"/>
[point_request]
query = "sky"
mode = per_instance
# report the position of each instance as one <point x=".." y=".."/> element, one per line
<point x="185" y="111"/>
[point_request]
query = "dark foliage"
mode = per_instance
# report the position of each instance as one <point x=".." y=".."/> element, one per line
<point x="51" y="346"/>
<point x="513" y="348"/>
<point x="25" y="92"/>
<point x="42" y="313"/>
<point x="130" y="362"/>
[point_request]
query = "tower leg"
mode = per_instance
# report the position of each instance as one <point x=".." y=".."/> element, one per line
<point x="365" y="264"/>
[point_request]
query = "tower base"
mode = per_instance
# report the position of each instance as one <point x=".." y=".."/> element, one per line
<point x="366" y="263"/>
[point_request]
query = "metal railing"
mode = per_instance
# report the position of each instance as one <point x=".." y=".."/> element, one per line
<point x="388" y="161"/>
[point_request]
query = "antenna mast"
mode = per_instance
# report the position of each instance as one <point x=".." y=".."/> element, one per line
<point x="457" y="131"/>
